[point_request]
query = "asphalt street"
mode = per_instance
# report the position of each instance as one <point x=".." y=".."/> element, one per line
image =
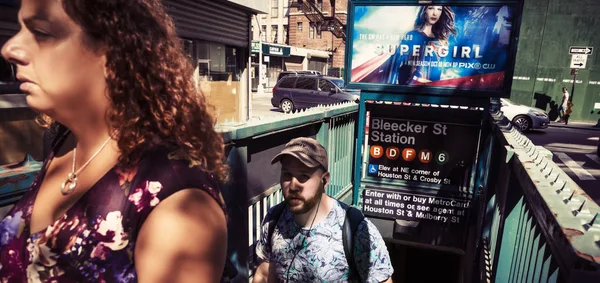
<point x="574" y="150"/>
<point x="261" y="106"/>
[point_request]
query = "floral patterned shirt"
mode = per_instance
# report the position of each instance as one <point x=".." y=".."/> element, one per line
<point x="94" y="241"/>
<point x="301" y="254"/>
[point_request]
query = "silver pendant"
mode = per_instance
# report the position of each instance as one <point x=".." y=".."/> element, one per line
<point x="70" y="183"/>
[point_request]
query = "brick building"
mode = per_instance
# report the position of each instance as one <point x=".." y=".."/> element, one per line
<point x="318" y="35"/>
<point x="297" y="35"/>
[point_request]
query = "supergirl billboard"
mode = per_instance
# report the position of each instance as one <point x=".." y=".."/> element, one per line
<point x="435" y="47"/>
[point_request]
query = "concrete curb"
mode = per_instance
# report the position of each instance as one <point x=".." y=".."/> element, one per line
<point x="575" y="125"/>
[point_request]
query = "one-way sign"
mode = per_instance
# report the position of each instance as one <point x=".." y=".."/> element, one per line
<point x="581" y="50"/>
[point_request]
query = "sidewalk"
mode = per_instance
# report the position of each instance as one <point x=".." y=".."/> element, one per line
<point x="576" y="125"/>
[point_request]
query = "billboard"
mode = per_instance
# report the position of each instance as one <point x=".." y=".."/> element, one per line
<point x="464" y="47"/>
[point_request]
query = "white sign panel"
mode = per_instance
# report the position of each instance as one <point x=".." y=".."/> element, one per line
<point x="587" y="50"/>
<point x="578" y="61"/>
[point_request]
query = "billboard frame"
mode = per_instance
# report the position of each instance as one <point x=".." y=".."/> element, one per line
<point x="511" y="55"/>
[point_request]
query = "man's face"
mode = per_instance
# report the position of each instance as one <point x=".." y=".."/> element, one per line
<point x="302" y="186"/>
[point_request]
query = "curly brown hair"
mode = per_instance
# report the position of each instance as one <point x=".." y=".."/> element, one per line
<point x="443" y="28"/>
<point x="153" y="99"/>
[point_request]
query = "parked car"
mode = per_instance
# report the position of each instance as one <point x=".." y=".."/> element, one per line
<point x="524" y="117"/>
<point x="296" y="73"/>
<point x="303" y="91"/>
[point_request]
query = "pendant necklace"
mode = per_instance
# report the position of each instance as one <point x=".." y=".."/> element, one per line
<point x="71" y="182"/>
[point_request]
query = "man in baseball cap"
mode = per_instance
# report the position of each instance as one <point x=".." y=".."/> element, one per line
<point x="301" y="239"/>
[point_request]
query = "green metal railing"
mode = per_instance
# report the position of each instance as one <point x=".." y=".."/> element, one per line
<point x="253" y="144"/>
<point x="539" y="226"/>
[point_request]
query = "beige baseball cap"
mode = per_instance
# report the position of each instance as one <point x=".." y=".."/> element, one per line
<point x="309" y="151"/>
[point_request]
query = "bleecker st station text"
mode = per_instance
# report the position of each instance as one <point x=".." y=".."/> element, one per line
<point x="394" y="132"/>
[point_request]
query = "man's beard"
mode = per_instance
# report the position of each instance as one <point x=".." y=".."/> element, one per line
<point x="306" y="204"/>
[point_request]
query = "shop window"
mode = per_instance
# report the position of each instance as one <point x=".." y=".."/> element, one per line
<point x="306" y="83"/>
<point x="218" y="76"/>
<point x="188" y="49"/>
<point x="317" y="64"/>
<point x="299" y="26"/>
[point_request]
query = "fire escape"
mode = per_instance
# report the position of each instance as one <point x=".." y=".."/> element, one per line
<point x="315" y="16"/>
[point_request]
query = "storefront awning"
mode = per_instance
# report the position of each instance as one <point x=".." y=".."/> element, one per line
<point x="271" y="49"/>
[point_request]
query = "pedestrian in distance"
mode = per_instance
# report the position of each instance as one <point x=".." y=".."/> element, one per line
<point x="311" y="237"/>
<point x="129" y="190"/>
<point x="564" y="106"/>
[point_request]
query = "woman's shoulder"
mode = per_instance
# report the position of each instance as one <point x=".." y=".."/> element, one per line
<point x="166" y="172"/>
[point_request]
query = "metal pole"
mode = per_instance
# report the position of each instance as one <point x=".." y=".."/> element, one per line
<point x="573" y="87"/>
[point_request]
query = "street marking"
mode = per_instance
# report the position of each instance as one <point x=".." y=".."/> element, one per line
<point x="594" y="157"/>
<point x="581" y="173"/>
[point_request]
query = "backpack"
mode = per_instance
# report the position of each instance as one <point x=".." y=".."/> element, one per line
<point x="353" y="218"/>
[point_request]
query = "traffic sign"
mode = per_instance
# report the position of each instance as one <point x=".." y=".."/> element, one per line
<point x="586" y="50"/>
<point x="578" y="61"/>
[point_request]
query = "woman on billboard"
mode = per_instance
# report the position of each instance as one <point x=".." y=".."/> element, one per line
<point x="421" y="50"/>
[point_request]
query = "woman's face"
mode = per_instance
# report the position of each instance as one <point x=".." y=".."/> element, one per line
<point x="433" y="14"/>
<point x="58" y="71"/>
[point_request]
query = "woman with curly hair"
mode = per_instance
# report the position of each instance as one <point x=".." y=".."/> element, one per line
<point x="432" y="29"/>
<point x="129" y="192"/>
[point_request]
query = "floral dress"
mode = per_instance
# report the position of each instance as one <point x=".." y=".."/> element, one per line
<point x="94" y="241"/>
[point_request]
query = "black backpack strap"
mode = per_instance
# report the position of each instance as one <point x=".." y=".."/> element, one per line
<point x="274" y="214"/>
<point x="353" y="218"/>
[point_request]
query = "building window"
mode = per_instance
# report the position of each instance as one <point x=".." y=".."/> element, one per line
<point x="274" y="33"/>
<point x="299" y="26"/>
<point x="218" y="70"/>
<point x="188" y="49"/>
<point x="263" y="33"/>
<point x="311" y="31"/>
<point x="285" y="34"/>
<point x="320" y="4"/>
<point x="285" y="7"/>
<point x="319" y="29"/>
<point x="274" y="8"/>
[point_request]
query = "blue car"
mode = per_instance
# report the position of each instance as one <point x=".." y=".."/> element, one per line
<point x="304" y="91"/>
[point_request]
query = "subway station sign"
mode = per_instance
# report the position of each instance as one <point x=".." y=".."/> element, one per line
<point x="414" y="207"/>
<point x="419" y="170"/>
<point x="418" y="145"/>
<point x="440" y="219"/>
